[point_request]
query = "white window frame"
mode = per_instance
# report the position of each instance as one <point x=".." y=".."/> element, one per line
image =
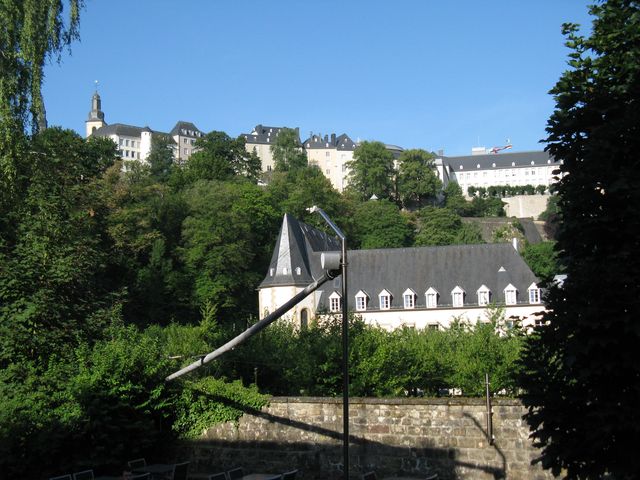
<point x="457" y="297"/>
<point x="409" y="299"/>
<point x="484" y="295"/>
<point x="431" y="298"/>
<point x="384" y="298"/>
<point x="361" y="301"/>
<point x="534" y="294"/>
<point x="335" y="302"/>
<point x="510" y="295"/>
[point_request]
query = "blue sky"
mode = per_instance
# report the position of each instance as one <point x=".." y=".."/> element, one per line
<point x="420" y="74"/>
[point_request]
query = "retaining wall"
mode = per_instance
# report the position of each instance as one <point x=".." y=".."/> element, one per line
<point x="410" y="437"/>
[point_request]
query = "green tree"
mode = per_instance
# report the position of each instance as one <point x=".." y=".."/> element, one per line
<point x="454" y="199"/>
<point x="442" y="226"/>
<point x="226" y="239"/>
<point x="551" y="216"/>
<point x="31" y="33"/>
<point x="220" y="157"/>
<point x="160" y="158"/>
<point x="418" y="182"/>
<point x="297" y="190"/>
<point x="381" y="224"/>
<point x="542" y="258"/>
<point x="371" y="171"/>
<point x="287" y="152"/>
<point x="54" y="261"/>
<point x="582" y="378"/>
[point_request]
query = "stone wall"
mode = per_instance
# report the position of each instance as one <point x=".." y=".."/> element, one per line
<point x="392" y="437"/>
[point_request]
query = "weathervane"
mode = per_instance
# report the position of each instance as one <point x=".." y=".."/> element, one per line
<point x="96" y="84"/>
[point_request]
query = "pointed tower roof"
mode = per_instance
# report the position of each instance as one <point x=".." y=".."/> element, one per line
<point x="96" y="113"/>
<point x="296" y="256"/>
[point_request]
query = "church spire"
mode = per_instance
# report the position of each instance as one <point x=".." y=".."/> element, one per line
<point x="96" y="115"/>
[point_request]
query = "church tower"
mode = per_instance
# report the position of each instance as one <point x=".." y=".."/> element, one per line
<point x="96" y="115"/>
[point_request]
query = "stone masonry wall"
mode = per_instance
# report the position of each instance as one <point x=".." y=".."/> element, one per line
<point x="410" y="437"/>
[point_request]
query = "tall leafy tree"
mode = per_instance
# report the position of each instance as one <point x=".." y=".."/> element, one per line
<point x="442" y="226"/>
<point x="226" y="240"/>
<point x="31" y="32"/>
<point x="287" y="152"/>
<point x="380" y="224"/>
<point x="161" y="157"/>
<point x="582" y="376"/>
<point x="220" y="157"/>
<point x="371" y="171"/>
<point x="53" y="267"/>
<point x="295" y="191"/>
<point x="418" y="182"/>
<point x="454" y="199"/>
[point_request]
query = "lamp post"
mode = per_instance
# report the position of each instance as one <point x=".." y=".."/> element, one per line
<point x="345" y="341"/>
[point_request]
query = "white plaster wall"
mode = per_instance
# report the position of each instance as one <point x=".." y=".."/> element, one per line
<point x="272" y="298"/>
<point x="145" y="145"/>
<point x="425" y="317"/>
<point x="523" y="206"/>
<point x="533" y="175"/>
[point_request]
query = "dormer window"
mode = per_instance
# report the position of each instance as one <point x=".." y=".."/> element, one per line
<point x="431" y="297"/>
<point x="285" y="270"/>
<point x="385" y="299"/>
<point x="510" y="295"/>
<point x="484" y="295"/>
<point x="335" y="302"/>
<point x="361" y="301"/>
<point x="409" y="298"/>
<point x="271" y="272"/>
<point x="534" y="294"/>
<point x="457" y="297"/>
<point x="298" y="271"/>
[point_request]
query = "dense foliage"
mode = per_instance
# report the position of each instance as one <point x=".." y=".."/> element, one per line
<point x="114" y="274"/>
<point x="582" y="374"/>
<point x="287" y="361"/>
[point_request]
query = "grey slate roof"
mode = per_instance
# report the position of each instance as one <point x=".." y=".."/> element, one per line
<point x="118" y="129"/>
<point x="342" y="142"/>
<point x="396" y="270"/>
<point x="185" y="129"/>
<point x="441" y="268"/>
<point x="263" y="135"/>
<point x="500" y="160"/>
<point x="298" y="247"/>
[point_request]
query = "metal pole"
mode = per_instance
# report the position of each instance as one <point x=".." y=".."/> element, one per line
<point x="251" y="331"/>
<point x="345" y="343"/>
<point x="489" y="412"/>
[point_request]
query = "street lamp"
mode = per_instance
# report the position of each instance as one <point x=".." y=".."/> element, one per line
<point x="345" y="341"/>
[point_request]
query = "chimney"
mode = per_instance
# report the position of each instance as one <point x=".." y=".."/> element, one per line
<point x="333" y="139"/>
<point x="326" y="138"/>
